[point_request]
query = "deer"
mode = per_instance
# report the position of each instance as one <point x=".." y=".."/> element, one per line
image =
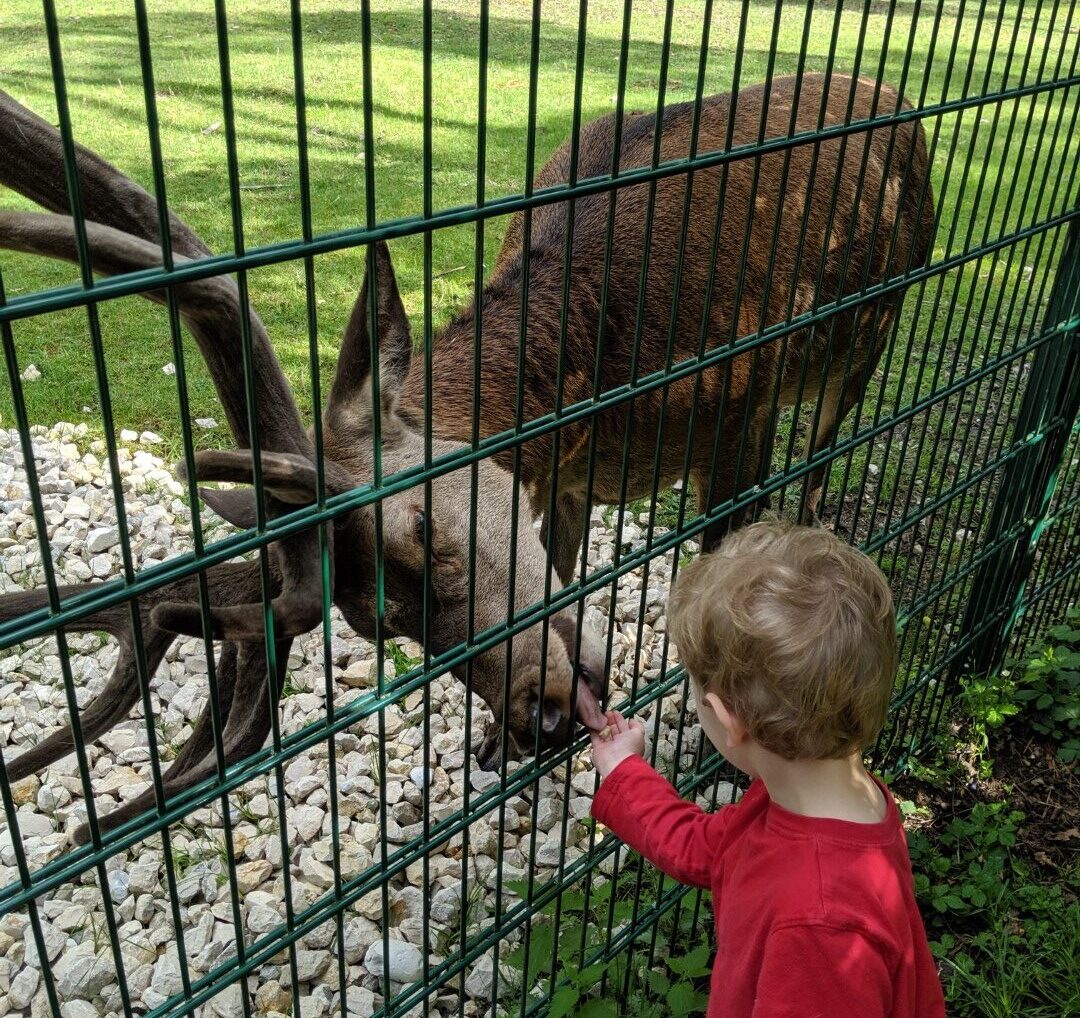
<point x="812" y="267"/>
<point x="549" y="683"/>
<point x="845" y="246"/>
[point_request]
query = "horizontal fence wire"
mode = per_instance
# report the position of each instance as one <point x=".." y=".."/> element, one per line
<point x="364" y="825"/>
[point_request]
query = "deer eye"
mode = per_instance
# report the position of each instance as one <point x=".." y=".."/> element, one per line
<point x="419" y="525"/>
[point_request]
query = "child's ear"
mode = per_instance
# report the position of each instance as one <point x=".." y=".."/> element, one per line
<point x="735" y="730"/>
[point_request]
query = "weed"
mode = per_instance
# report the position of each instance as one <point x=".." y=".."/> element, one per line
<point x="575" y="952"/>
<point x="1023" y="961"/>
<point x="989" y="703"/>
<point x="1050" y="686"/>
<point x="167" y="738"/>
<point x="963" y="870"/>
<point x="447" y="941"/>
<point x="243" y="808"/>
<point x="402" y="662"/>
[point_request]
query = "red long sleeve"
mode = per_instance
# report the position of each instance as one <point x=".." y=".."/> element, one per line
<point x="814" y="917"/>
<point x="676" y="836"/>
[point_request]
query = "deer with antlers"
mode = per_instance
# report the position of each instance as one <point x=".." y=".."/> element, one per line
<point x="806" y="225"/>
<point x="122" y="230"/>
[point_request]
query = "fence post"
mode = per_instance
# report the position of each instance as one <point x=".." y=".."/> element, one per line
<point x="1045" y="421"/>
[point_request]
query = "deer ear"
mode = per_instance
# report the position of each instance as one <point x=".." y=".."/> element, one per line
<point x="351" y="388"/>
<point x="235" y="505"/>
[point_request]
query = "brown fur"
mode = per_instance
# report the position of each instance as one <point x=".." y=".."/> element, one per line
<point x="542" y="681"/>
<point x="838" y="169"/>
<point x="535" y="686"/>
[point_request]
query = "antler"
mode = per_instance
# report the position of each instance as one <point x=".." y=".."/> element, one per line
<point x="122" y="231"/>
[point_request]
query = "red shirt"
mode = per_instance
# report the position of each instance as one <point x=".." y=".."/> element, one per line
<point x="815" y="918"/>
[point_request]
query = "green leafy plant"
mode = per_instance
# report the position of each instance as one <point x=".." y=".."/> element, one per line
<point x="402" y="662"/>
<point x="962" y="870"/>
<point x="1023" y="961"/>
<point x="989" y="702"/>
<point x="1050" y="686"/>
<point x="672" y="986"/>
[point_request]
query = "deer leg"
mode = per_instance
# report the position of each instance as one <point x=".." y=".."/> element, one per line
<point x="567" y="530"/>
<point x="841" y="394"/>
<point x="752" y="462"/>
<point x="828" y="416"/>
<point x="757" y="464"/>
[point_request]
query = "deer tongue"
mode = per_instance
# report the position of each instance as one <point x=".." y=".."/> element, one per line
<point x="588" y="708"/>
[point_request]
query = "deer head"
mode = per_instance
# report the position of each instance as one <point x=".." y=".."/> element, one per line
<point x="543" y="693"/>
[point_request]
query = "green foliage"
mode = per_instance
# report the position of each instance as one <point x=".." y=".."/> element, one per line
<point x="402" y="662"/>
<point x="1023" y="961"/>
<point x="961" y="870"/>
<point x="1044" y="684"/>
<point x="1006" y="935"/>
<point x="623" y="985"/>
<point x="989" y="703"/>
<point x="1050" y="686"/>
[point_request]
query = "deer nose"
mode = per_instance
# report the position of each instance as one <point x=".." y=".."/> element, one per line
<point x="552" y="720"/>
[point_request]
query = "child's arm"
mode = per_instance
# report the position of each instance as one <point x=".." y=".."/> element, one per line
<point x="819" y="970"/>
<point x="645" y="810"/>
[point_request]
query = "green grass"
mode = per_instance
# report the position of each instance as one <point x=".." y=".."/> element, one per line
<point x="102" y="68"/>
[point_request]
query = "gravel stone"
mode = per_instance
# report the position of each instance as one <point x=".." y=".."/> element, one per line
<point x="82" y="975"/>
<point x="119" y="885"/>
<point x="250" y="875"/>
<point x="406" y="963"/>
<point x="102" y="539"/>
<point x="311" y="964"/>
<point x="54" y="938"/>
<point x="166" y="979"/>
<point x="23" y="988"/>
<point x="78" y="1009"/>
<point x="84" y="535"/>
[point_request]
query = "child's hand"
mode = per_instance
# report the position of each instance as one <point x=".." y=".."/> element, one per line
<point x="620" y="739"/>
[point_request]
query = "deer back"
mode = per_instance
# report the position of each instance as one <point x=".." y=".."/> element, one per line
<point x="768" y="265"/>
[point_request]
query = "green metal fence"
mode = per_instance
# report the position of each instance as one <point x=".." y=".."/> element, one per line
<point x="342" y="831"/>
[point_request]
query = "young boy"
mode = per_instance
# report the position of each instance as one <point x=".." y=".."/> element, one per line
<point x="789" y="637"/>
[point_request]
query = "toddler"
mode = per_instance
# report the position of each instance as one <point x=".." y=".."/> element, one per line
<point x="789" y="638"/>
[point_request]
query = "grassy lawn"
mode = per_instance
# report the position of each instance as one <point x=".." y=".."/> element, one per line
<point x="102" y="68"/>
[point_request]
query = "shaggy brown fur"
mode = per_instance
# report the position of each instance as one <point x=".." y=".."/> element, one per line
<point x="759" y="201"/>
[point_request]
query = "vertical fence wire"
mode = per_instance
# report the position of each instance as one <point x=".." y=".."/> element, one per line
<point x="957" y="467"/>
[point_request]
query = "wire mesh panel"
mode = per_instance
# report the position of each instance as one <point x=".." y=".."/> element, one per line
<point x="306" y="742"/>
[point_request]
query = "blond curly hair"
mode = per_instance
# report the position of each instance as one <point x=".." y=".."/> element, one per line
<point x="795" y="631"/>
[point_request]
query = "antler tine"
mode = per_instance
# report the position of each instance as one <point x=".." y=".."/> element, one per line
<point x="112" y="704"/>
<point x="292" y="481"/>
<point x="245" y="710"/>
<point x="227" y="582"/>
<point x="210" y="309"/>
<point x="34" y="166"/>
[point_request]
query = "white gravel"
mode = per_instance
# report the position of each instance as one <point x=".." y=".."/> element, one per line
<point x="84" y="540"/>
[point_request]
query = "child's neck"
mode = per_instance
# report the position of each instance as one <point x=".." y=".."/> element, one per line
<point x="835" y="789"/>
